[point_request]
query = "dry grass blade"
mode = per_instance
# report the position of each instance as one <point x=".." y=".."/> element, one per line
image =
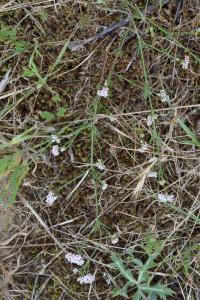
<point x="42" y="223"/>
<point x="4" y="81"/>
<point x="141" y="181"/>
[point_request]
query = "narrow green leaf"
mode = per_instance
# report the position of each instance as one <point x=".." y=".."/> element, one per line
<point x="3" y="165"/>
<point x="137" y="262"/>
<point x="123" y="291"/>
<point x="187" y="130"/>
<point x="28" y="73"/>
<point x="159" y="289"/>
<point x="11" y="183"/>
<point x="153" y="296"/>
<point x="15" y="181"/>
<point x="58" y="59"/>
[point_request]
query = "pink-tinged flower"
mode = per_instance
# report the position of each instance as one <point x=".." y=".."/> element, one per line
<point x="103" y="92"/>
<point x="163" y="198"/>
<point x="55" y="150"/>
<point x="74" y="259"/>
<point x="86" y="279"/>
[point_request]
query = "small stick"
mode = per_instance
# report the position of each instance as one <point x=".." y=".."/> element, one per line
<point x="77" y="45"/>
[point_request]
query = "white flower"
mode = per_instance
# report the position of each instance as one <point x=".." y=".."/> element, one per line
<point x="143" y="148"/>
<point x="108" y="281"/>
<point x="26" y="183"/>
<point x="106" y="278"/>
<point x="103" y="92"/>
<point x="112" y="118"/>
<point x="74" y="259"/>
<point x="114" y="239"/>
<point x="163" y="96"/>
<point x="55" y="139"/>
<point x="185" y="62"/>
<point x="162" y="182"/>
<point x="165" y="198"/>
<point x="75" y="270"/>
<point x="152" y="175"/>
<point x="86" y="279"/>
<point x="62" y="149"/>
<point x="104" y="186"/>
<point x="150" y="120"/>
<point x="55" y="150"/>
<point x="50" y="198"/>
<point x="100" y="165"/>
<point x="153" y="159"/>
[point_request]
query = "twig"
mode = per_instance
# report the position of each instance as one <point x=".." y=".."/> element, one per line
<point x="78" y="45"/>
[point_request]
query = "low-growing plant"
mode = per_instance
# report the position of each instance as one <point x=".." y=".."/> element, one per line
<point x="143" y="284"/>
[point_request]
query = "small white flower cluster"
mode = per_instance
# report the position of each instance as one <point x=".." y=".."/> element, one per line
<point x="100" y="165"/>
<point x="74" y="259"/>
<point x="55" y="150"/>
<point x="152" y="175"/>
<point x="114" y="239"/>
<point x="26" y="183"/>
<point x="185" y="63"/>
<point x="79" y="261"/>
<point x="143" y="148"/>
<point x="104" y="186"/>
<point x="103" y="92"/>
<point x="162" y="182"/>
<point x="112" y="118"/>
<point x="86" y="279"/>
<point x="163" y="96"/>
<point x="50" y="198"/>
<point x="75" y="271"/>
<point x="55" y="139"/>
<point x="163" y="198"/>
<point x="150" y="120"/>
<point x="106" y="278"/>
<point x="153" y="159"/>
